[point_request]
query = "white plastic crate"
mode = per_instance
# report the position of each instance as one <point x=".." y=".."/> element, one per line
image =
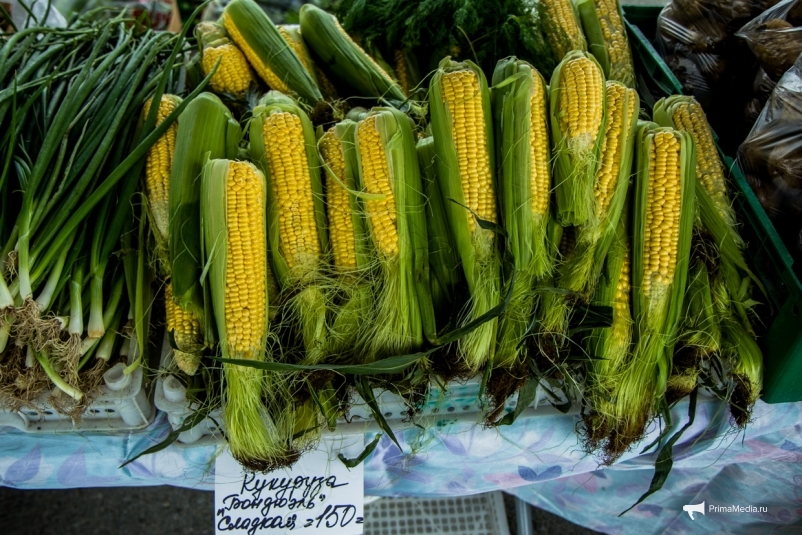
<point x="480" y="514"/>
<point x="121" y="404"/>
<point x="459" y="403"/>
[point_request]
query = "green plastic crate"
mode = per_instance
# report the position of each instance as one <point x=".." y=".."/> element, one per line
<point x="781" y="338"/>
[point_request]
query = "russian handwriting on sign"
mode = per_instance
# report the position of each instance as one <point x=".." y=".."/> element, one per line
<point x="317" y="495"/>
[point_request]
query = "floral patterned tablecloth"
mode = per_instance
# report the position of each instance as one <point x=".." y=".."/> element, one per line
<point x="538" y="459"/>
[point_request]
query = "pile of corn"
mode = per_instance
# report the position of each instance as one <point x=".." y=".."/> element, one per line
<point x="479" y="229"/>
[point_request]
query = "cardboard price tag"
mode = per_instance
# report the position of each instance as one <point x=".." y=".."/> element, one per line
<point x="318" y="495"/>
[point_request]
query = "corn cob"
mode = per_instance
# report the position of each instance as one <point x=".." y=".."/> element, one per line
<point x="463" y="138"/>
<point x="562" y="26"/>
<point x="348" y="237"/>
<point x="610" y="347"/>
<point x="283" y="145"/>
<point x="186" y="334"/>
<point x="522" y="149"/>
<point x="341" y="206"/>
<point x="206" y="129"/>
<point x="394" y="208"/>
<point x="342" y="58"/>
<point x="577" y="107"/>
<point x="662" y="225"/>
<point x="233" y="76"/>
<point x="267" y="51"/>
<point x="607" y="39"/>
<point x="406" y="71"/>
<point x="233" y="203"/>
<point x="443" y="258"/>
<point x="158" y="163"/>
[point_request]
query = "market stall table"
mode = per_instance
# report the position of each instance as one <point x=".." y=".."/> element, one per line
<point x="538" y="459"/>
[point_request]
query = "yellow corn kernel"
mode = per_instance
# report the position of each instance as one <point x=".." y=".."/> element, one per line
<point x="581" y="100"/>
<point x="338" y="204"/>
<point x="270" y="78"/>
<point x="622" y="290"/>
<point x="463" y="97"/>
<point x="661" y="239"/>
<point x="621" y="329"/>
<point x="615" y="36"/>
<point x="376" y="179"/>
<point x="540" y="149"/>
<point x="689" y="117"/>
<point x="562" y="27"/>
<point x="158" y="164"/>
<point x="233" y="75"/>
<point x="186" y="333"/>
<point x="612" y="150"/>
<point x="246" y="260"/>
<point x="291" y="183"/>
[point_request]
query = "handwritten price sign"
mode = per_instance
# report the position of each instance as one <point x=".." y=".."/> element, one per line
<point x="317" y="495"/>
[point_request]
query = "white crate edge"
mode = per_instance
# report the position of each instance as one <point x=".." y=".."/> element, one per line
<point x="458" y="404"/>
<point x="120" y="404"/>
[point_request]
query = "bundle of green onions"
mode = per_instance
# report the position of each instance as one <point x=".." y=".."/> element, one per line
<point x="73" y="149"/>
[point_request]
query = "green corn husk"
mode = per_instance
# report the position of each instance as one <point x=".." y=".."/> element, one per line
<point x="744" y="355"/>
<point x="658" y="308"/>
<point x="402" y="292"/>
<point x="206" y="130"/>
<point x="252" y="436"/>
<point x="700" y="332"/>
<point x="576" y="156"/>
<point x="477" y="246"/>
<point x="299" y="272"/>
<point x="603" y="23"/>
<point x="610" y="348"/>
<point x="338" y="155"/>
<point x="339" y="56"/>
<point x="444" y="262"/>
<point x="520" y="106"/>
<point x="552" y="306"/>
<point x="268" y="53"/>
